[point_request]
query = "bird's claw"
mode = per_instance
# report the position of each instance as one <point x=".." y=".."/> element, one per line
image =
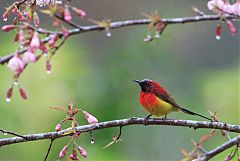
<point x="146" y="119"/>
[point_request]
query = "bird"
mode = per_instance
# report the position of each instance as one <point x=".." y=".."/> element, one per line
<point x="157" y="101"/>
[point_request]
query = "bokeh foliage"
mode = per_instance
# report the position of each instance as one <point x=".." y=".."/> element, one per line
<point x="199" y="71"/>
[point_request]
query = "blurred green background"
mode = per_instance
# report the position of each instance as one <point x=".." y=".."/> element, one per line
<point x="199" y="71"/>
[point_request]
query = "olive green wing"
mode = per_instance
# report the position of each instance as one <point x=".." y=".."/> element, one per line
<point x="165" y="97"/>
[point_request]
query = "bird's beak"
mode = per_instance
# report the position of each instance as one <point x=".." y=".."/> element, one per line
<point x="137" y="81"/>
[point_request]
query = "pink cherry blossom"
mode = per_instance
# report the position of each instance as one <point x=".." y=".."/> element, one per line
<point x="236" y="8"/>
<point x="35" y="42"/>
<point x="215" y="5"/>
<point x="42" y="2"/>
<point x="29" y="57"/>
<point x="16" y="64"/>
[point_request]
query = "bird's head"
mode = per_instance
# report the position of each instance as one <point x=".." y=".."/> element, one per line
<point x="146" y="85"/>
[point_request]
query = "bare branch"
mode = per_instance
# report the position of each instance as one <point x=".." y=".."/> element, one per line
<point x="220" y="149"/>
<point x="11" y="133"/>
<point x="121" y="123"/>
<point x="120" y="24"/>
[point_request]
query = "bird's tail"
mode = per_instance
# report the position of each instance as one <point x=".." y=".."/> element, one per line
<point x="193" y="113"/>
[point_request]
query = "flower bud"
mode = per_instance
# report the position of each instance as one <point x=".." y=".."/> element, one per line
<point x="67" y="14"/>
<point x="63" y="152"/>
<point x="90" y="118"/>
<point x="35" y="42"/>
<point x="58" y="127"/>
<point x="231" y="27"/>
<point x="7" y="28"/>
<point x="19" y="15"/>
<point x="65" y="32"/>
<point x="218" y="31"/>
<point x="6" y="14"/>
<point x="36" y="19"/>
<point x="79" y="12"/>
<point x="82" y="151"/>
<point x="48" y="67"/>
<point x="227" y="158"/>
<point x="53" y="40"/>
<point x="9" y="94"/>
<point x="73" y="156"/>
<point x="22" y="93"/>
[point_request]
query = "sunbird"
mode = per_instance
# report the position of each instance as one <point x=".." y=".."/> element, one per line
<point x="156" y="100"/>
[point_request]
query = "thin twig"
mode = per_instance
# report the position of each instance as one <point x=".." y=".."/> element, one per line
<point x="120" y="24"/>
<point x="11" y="133"/>
<point x="49" y="148"/>
<point x="123" y="122"/>
<point x="120" y="133"/>
<point x="220" y="149"/>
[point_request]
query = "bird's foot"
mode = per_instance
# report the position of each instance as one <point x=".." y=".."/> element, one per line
<point x="164" y="118"/>
<point x="146" y="119"/>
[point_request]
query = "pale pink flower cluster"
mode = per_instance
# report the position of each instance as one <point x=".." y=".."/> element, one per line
<point x="218" y="6"/>
<point x="16" y="64"/>
<point x="46" y="2"/>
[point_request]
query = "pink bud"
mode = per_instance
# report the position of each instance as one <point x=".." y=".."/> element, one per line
<point x="82" y="151"/>
<point x="19" y="15"/>
<point x="67" y="14"/>
<point x="65" y="32"/>
<point x="9" y="94"/>
<point x="16" y="64"/>
<point x="218" y="30"/>
<point x="22" y="93"/>
<point x="6" y="14"/>
<point x="63" y="152"/>
<point x="7" y="28"/>
<point x="58" y="127"/>
<point x="48" y="67"/>
<point x="55" y="22"/>
<point x="73" y="156"/>
<point x="53" y="40"/>
<point x="16" y="38"/>
<point x="27" y="16"/>
<point x="43" y="48"/>
<point x="35" y="42"/>
<point x="21" y="36"/>
<point x="231" y="27"/>
<point x="79" y="12"/>
<point x="90" y="118"/>
<point x="29" y="57"/>
<point x="227" y="158"/>
<point x="36" y="19"/>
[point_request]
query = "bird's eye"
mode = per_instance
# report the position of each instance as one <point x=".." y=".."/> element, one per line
<point x="149" y="85"/>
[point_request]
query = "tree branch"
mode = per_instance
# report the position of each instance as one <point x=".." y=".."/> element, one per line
<point x="120" y="24"/>
<point x="220" y="149"/>
<point x="121" y="123"/>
